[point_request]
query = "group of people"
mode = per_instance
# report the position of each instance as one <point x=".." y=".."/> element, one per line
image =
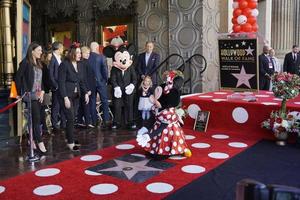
<point x="74" y="79"/>
<point x="269" y="64"/>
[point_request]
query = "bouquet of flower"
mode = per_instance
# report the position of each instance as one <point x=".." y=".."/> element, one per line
<point x="285" y="85"/>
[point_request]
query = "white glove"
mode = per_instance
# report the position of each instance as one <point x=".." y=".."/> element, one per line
<point x="142" y="131"/>
<point x="129" y="89"/>
<point x="143" y="139"/>
<point x="118" y="92"/>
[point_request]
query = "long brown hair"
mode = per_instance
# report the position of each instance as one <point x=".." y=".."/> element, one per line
<point x="29" y="57"/>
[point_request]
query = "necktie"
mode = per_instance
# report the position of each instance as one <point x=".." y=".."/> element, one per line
<point x="294" y="57"/>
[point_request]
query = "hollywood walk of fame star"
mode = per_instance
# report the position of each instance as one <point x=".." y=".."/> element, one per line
<point x="130" y="169"/>
<point x="243" y="43"/>
<point x="202" y="117"/>
<point x="243" y="77"/>
<point x="249" y="51"/>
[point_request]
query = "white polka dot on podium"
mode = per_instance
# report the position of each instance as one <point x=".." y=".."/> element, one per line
<point x="269" y="92"/>
<point x="47" y="190"/>
<point x="90" y="158"/>
<point x="200" y="145"/>
<point x="220" y="92"/>
<point x="277" y="99"/>
<point x="219" y="100"/>
<point x="104" y="188"/>
<point x="2" y="189"/>
<point x="193" y="110"/>
<point x="47" y="172"/>
<point x="205" y="96"/>
<point x="237" y="144"/>
<point x="240" y="115"/>
<point x="189" y="137"/>
<point x="125" y="146"/>
<point x="193" y="169"/>
<point x="269" y="103"/>
<point x="91" y="173"/>
<point x="262" y="95"/>
<point x="159" y="187"/>
<point x="297" y="103"/>
<point x="218" y="155"/>
<point x="220" y="136"/>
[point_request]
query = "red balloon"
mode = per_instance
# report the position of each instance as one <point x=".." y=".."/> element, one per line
<point x="243" y="4"/>
<point x="255" y="27"/>
<point x="251" y="20"/>
<point x="236" y="28"/>
<point x="237" y="12"/>
<point x="252" y="4"/>
<point x="247" y="27"/>
<point x="234" y="20"/>
<point x="247" y="12"/>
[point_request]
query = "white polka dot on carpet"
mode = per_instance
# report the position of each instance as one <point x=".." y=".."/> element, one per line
<point x="47" y="172"/>
<point x="237" y="144"/>
<point x="104" y="188"/>
<point x="200" y="145"/>
<point x="193" y="169"/>
<point x="220" y="136"/>
<point x="159" y="187"/>
<point x="125" y="146"/>
<point x="189" y="137"/>
<point x="138" y="155"/>
<point x="2" y="189"/>
<point x="90" y="158"/>
<point x="218" y="155"/>
<point x="269" y="103"/>
<point x="91" y="173"/>
<point x="219" y="100"/>
<point x="240" y="115"/>
<point x="47" y="190"/>
<point x="220" y="92"/>
<point x="177" y="157"/>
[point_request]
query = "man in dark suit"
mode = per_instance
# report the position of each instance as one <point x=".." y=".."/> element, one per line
<point x="56" y="108"/>
<point x="98" y="64"/>
<point x="292" y="61"/>
<point x="266" y="69"/>
<point x="147" y="63"/>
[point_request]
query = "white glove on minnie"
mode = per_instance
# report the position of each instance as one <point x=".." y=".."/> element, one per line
<point x="129" y="89"/>
<point x="142" y="137"/>
<point x="117" y="92"/>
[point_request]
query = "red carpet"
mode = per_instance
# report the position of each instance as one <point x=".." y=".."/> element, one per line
<point x="72" y="183"/>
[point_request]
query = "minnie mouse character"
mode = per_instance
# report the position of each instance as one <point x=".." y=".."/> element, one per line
<point x="166" y="138"/>
<point x="123" y="80"/>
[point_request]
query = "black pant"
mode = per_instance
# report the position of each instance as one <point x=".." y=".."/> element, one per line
<point x="127" y="102"/>
<point x="70" y="114"/>
<point x="36" y="120"/>
<point x="83" y="111"/>
<point x="57" y="110"/>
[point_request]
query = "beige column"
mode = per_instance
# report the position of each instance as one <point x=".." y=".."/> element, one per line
<point x="6" y="66"/>
<point x="296" y="22"/>
<point x="282" y="26"/>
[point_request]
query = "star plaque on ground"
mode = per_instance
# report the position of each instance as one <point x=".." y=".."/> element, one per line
<point x="131" y="167"/>
<point x="243" y="78"/>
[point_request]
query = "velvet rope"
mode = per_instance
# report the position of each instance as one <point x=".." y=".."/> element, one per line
<point x="11" y="105"/>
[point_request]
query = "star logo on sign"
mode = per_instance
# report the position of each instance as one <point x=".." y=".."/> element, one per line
<point x="243" y="77"/>
<point x="202" y="117"/>
<point x="130" y="169"/>
<point x="243" y="43"/>
<point x="249" y="51"/>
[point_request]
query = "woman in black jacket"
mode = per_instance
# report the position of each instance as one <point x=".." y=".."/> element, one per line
<point x="29" y="80"/>
<point x="71" y="86"/>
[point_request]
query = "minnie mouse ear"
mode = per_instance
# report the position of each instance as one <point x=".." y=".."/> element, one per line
<point x="178" y="82"/>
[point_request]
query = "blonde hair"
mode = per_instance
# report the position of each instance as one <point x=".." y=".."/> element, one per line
<point x="147" y="77"/>
<point x="85" y="49"/>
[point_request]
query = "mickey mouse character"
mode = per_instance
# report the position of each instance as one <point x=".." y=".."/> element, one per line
<point x="166" y="138"/>
<point x="123" y="80"/>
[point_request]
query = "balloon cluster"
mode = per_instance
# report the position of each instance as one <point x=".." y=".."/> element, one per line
<point x="244" y="16"/>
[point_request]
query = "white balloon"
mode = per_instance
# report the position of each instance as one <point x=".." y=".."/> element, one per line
<point x="242" y="19"/>
<point x="235" y="5"/>
<point x="254" y="12"/>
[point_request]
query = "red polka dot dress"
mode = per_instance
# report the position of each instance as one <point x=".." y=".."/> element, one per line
<point x="171" y="141"/>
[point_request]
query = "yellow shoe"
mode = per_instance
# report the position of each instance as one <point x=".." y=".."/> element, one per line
<point x="187" y="153"/>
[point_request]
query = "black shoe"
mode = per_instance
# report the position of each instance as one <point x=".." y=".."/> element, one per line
<point x="115" y="126"/>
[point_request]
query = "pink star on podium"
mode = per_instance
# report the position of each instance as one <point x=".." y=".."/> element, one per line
<point x="243" y="77"/>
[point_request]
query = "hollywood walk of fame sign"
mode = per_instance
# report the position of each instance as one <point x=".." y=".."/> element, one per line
<point x="238" y="64"/>
<point x="201" y="121"/>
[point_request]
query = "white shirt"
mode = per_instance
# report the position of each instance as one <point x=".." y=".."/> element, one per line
<point x="147" y="56"/>
<point x="57" y="58"/>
